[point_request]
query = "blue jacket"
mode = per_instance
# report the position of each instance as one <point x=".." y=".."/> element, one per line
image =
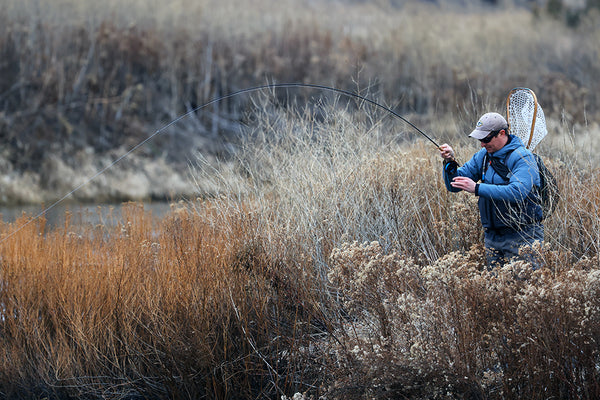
<point x="503" y="204"/>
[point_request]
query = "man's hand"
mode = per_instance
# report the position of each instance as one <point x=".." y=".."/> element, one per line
<point x="446" y="152"/>
<point x="464" y="183"/>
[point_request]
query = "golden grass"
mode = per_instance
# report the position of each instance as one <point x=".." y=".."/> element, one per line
<point x="172" y="310"/>
<point x="335" y="263"/>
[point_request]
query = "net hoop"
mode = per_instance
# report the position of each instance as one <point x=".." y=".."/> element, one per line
<point x="525" y="117"/>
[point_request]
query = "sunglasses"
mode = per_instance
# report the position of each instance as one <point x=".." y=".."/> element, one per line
<point x="489" y="137"/>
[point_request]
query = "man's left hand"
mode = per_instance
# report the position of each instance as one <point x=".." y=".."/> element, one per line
<point x="464" y="183"/>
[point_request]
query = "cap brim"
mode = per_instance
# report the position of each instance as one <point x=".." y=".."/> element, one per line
<point x="479" y="134"/>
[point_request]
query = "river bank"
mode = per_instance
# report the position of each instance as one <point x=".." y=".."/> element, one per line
<point x="88" y="178"/>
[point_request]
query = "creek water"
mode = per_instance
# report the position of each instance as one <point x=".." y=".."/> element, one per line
<point x="81" y="214"/>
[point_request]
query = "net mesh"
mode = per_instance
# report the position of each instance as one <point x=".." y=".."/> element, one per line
<point x="526" y="117"/>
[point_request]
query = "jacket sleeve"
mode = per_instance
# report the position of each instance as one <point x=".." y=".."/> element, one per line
<point x="524" y="176"/>
<point x="471" y="169"/>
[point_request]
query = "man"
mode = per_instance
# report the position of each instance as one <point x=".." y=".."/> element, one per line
<point x="509" y="208"/>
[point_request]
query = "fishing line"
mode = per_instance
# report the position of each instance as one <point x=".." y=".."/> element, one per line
<point x="213" y="101"/>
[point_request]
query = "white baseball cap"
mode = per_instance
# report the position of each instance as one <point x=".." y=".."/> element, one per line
<point x="489" y="122"/>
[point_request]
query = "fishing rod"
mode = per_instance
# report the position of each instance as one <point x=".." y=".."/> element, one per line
<point x="340" y="91"/>
<point x="211" y="102"/>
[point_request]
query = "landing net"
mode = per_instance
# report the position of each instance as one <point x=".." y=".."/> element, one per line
<point x="525" y="117"/>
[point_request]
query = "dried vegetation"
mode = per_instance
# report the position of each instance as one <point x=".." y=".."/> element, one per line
<point x="326" y="257"/>
<point x="335" y="264"/>
<point x="82" y="82"/>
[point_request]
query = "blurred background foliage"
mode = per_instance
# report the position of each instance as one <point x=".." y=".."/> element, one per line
<point x="81" y="82"/>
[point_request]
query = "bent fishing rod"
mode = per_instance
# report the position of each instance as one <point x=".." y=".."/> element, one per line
<point x="209" y="103"/>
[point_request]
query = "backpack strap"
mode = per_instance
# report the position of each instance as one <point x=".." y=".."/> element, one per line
<point x="498" y="165"/>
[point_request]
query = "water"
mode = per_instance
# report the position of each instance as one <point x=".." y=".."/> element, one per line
<point x="81" y="214"/>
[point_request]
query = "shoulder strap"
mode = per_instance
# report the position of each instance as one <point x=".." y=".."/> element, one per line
<point x="499" y="165"/>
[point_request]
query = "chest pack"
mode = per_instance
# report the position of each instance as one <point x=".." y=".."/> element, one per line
<point x="549" y="194"/>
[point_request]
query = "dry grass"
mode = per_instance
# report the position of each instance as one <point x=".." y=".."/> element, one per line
<point x="327" y="257"/>
<point x="335" y="263"/>
<point x="416" y="314"/>
<point x="183" y="309"/>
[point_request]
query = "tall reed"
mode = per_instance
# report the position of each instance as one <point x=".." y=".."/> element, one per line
<point x="186" y="308"/>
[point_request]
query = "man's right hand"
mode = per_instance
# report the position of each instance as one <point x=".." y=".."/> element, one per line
<point x="446" y="152"/>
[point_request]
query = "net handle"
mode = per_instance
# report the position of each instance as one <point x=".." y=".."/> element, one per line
<point x="535" y="107"/>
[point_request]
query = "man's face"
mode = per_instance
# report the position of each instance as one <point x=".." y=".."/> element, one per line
<point x="497" y="141"/>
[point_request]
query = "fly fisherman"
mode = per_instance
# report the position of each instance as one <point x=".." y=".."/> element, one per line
<point x="510" y="212"/>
